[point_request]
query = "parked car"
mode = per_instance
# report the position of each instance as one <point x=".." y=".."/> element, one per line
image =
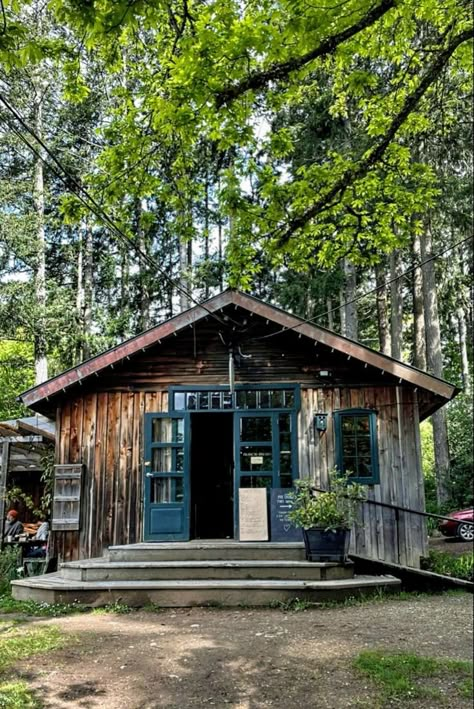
<point x="458" y="527"/>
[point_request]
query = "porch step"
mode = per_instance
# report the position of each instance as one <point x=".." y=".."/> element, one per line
<point x="54" y="588"/>
<point x="219" y="550"/>
<point x="103" y="570"/>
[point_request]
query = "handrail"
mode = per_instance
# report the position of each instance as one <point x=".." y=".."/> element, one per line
<point x="407" y="509"/>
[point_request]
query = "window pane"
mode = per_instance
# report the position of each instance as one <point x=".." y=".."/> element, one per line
<point x="204" y="400"/>
<point x="179" y="462"/>
<point x="241" y="399"/>
<point x="256" y="428"/>
<point x="349" y="446"/>
<point x="362" y="424"/>
<point x="251" y="402"/>
<point x="277" y="399"/>
<point x="227" y="400"/>
<point x="348" y="423"/>
<point x="191" y="401"/>
<point x="167" y="430"/>
<point x="256" y="458"/>
<point x="161" y="460"/>
<point x="286" y="480"/>
<point x="363" y="446"/>
<point x="166" y="490"/>
<point x="265" y="399"/>
<point x="215" y="400"/>
<point x="289" y="398"/>
<point x="364" y="468"/>
<point x="256" y="481"/>
<point x="179" y="401"/>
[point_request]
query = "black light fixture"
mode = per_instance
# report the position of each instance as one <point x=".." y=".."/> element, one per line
<point x="320" y="422"/>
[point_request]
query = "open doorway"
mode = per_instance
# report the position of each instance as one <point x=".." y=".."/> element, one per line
<point x="212" y="464"/>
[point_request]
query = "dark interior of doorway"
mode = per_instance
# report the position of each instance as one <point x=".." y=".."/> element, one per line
<point x="212" y="462"/>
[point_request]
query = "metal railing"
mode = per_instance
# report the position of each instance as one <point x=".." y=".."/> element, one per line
<point x="407" y="510"/>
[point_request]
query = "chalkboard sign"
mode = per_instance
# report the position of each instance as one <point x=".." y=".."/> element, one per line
<point x="280" y="505"/>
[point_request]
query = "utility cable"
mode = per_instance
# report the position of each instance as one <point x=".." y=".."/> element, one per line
<point x="363" y="295"/>
<point x="79" y="190"/>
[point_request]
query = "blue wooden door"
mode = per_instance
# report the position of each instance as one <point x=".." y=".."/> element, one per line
<point x="166" y="482"/>
<point x="265" y="452"/>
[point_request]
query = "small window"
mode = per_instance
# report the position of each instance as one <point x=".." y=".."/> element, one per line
<point x="356" y="445"/>
<point x="67" y="497"/>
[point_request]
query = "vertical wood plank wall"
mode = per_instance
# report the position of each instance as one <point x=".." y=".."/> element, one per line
<point x="105" y="432"/>
<point x="379" y="535"/>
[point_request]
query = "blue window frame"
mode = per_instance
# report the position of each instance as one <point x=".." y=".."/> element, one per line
<point x="356" y="444"/>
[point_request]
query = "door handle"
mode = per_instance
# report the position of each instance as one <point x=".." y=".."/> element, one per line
<point x="149" y="475"/>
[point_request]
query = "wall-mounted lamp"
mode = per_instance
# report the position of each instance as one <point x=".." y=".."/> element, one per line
<point x="320" y="422"/>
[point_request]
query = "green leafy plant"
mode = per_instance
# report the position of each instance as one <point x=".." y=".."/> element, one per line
<point x="336" y="508"/>
<point x="461" y="567"/>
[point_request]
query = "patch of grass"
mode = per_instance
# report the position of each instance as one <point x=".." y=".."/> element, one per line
<point x="16" y="695"/>
<point x="22" y="643"/>
<point x="45" y="610"/>
<point x="441" y="562"/>
<point x="401" y="676"/>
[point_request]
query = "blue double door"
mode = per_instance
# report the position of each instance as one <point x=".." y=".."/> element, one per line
<point x="195" y="464"/>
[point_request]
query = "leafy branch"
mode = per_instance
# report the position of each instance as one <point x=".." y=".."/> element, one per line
<point x="374" y="155"/>
<point x="280" y="70"/>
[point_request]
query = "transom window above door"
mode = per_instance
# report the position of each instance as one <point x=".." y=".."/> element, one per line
<point x="245" y="398"/>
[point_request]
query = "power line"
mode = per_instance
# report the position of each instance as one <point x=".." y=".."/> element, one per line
<point x="364" y="295"/>
<point x="76" y="188"/>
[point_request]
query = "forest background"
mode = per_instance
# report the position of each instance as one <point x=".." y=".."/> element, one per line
<point x="316" y="153"/>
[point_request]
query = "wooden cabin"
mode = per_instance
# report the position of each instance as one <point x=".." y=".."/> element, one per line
<point x="155" y="437"/>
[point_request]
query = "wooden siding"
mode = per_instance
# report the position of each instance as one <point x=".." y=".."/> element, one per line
<point x="380" y="535"/>
<point x="105" y="432"/>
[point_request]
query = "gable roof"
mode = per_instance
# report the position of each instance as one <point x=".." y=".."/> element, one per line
<point x="285" y="320"/>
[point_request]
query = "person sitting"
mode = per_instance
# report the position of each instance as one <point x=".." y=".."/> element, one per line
<point x="42" y="534"/>
<point x="13" y="526"/>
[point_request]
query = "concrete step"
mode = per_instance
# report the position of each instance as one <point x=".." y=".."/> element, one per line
<point x="219" y="550"/>
<point x="104" y="570"/>
<point x="53" y="588"/>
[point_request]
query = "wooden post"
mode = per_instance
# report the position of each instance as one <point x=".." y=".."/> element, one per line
<point x="3" y="483"/>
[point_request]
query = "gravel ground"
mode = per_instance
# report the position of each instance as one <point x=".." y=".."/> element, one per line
<point x="246" y="658"/>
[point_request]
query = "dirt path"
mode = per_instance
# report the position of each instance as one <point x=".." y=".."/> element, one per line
<point x="242" y="659"/>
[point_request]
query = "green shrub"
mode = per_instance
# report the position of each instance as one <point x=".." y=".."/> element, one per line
<point x="460" y="567"/>
<point x="8" y="568"/>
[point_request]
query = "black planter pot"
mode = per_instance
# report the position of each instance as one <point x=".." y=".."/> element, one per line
<point x="326" y="545"/>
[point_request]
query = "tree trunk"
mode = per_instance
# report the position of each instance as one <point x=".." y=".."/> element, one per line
<point x="88" y="271"/>
<point x="351" y="320"/>
<point x="41" y="362"/>
<point x="185" y="267"/>
<point x="462" y="337"/>
<point x="382" y="314"/>
<point x="419" y="337"/>
<point x="143" y="275"/>
<point x="80" y="301"/>
<point x="435" y="365"/>
<point x="206" y="236"/>
<point x="396" y="305"/>
<point x="330" y="313"/>
<point x="342" y="311"/>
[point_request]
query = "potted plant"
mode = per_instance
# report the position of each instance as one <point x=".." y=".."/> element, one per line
<point x="326" y="518"/>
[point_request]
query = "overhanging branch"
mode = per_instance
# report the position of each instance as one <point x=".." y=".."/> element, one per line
<point x="377" y="151"/>
<point x="258" y="79"/>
